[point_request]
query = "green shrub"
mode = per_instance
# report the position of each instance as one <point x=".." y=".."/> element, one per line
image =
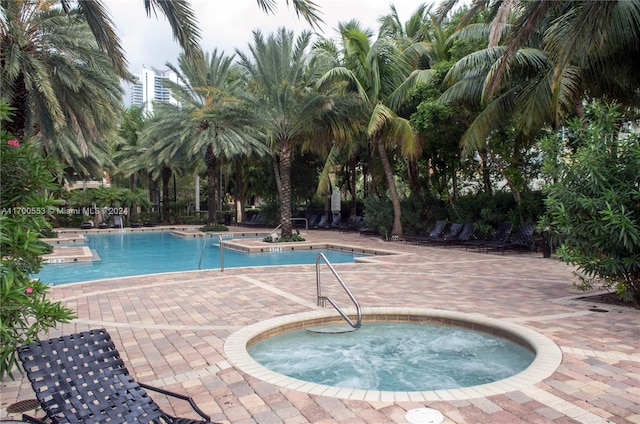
<point x="293" y="237"/>
<point x="214" y="228"/>
<point x="26" y="203"/>
<point x="378" y="214"/>
<point x="596" y="203"/>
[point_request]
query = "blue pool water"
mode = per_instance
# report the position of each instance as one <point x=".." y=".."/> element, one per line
<point x="394" y="356"/>
<point x="126" y="254"/>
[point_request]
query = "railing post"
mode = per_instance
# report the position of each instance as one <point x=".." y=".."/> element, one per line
<point x="323" y="299"/>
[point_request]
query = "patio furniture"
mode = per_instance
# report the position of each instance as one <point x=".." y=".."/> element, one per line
<point x="80" y="378"/>
<point x="465" y="234"/>
<point x="450" y="234"/>
<point x="436" y="232"/>
<point x="353" y="225"/>
<point x="521" y="240"/>
<point x="501" y="235"/>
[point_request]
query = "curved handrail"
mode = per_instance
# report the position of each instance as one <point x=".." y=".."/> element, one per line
<point x="204" y="243"/>
<point x="322" y="299"/>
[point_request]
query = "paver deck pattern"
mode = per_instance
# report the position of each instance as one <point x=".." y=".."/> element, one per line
<point x="171" y="329"/>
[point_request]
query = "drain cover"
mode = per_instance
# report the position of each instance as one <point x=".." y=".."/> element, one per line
<point x="424" y="416"/>
<point x="23" y="406"/>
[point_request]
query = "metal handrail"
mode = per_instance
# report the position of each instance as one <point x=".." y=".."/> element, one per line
<point x="204" y="243"/>
<point x="274" y="230"/>
<point x="322" y="299"/>
<point x="306" y="225"/>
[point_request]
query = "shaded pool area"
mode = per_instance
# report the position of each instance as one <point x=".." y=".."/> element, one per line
<point x="138" y="253"/>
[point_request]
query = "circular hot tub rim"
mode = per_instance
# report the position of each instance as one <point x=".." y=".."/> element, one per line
<point x="548" y="355"/>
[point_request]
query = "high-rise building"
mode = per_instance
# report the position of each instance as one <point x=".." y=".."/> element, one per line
<point x="150" y="89"/>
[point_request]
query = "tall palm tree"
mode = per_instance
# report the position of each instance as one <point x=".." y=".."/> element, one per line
<point x="211" y="124"/>
<point x="54" y="76"/>
<point x="382" y="75"/>
<point x="180" y="15"/>
<point x="546" y="59"/>
<point x="282" y="88"/>
<point x="542" y="63"/>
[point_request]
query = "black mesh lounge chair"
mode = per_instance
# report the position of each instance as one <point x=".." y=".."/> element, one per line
<point x="252" y="221"/>
<point x="449" y="234"/>
<point x="323" y="221"/>
<point x="436" y="232"/>
<point x="354" y="224"/>
<point x="501" y="235"/>
<point x="335" y="222"/>
<point x="464" y="236"/>
<point x="521" y="240"/>
<point x="80" y="378"/>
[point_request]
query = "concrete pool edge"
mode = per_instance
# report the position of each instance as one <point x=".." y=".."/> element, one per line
<point x="547" y="360"/>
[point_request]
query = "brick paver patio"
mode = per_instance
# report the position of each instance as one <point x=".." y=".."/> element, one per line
<point x="171" y="330"/>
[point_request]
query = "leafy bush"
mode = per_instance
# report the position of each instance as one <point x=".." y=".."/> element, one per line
<point x="596" y="203"/>
<point x="293" y="237"/>
<point x="214" y="228"/>
<point x="420" y="212"/>
<point x="25" y="201"/>
<point x="378" y="214"/>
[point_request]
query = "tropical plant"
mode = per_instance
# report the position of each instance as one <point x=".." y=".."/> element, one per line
<point x="290" y="112"/>
<point x="56" y="78"/>
<point x="179" y="14"/>
<point x="25" y="202"/>
<point x="542" y="59"/>
<point x="210" y="126"/>
<point x="595" y="204"/>
<point x="382" y="75"/>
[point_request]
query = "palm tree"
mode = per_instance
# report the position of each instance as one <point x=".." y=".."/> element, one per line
<point x="382" y="75"/>
<point x="291" y="112"/>
<point x="541" y="65"/>
<point x="55" y="77"/>
<point x="211" y="123"/>
<point x="550" y="56"/>
<point x="179" y="14"/>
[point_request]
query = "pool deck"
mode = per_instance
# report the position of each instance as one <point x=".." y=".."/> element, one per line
<point x="171" y="331"/>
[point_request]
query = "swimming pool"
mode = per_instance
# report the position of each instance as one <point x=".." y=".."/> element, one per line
<point x="127" y="254"/>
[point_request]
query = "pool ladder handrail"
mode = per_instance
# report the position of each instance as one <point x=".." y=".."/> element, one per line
<point x="323" y="299"/>
<point x="204" y="243"/>
<point x="306" y="225"/>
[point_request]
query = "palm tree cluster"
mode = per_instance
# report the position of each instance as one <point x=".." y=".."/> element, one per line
<point x="371" y="105"/>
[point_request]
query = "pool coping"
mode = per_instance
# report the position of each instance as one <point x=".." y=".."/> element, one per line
<point x="548" y="355"/>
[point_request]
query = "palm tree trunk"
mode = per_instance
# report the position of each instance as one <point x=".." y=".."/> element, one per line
<point x="210" y="161"/>
<point x="352" y="188"/>
<point x="166" y="178"/>
<point x="285" y="193"/>
<point x="396" y="229"/>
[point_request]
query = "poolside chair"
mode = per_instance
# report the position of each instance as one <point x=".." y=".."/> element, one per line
<point x="501" y="235"/>
<point x="80" y="378"/>
<point x="335" y="222"/>
<point x="450" y="234"/>
<point x="323" y="221"/>
<point x="465" y="235"/>
<point x="353" y="224"/>
<point x="437" y="231"/>
<point x="312" y="221"/>
<point x="521" y="240"/>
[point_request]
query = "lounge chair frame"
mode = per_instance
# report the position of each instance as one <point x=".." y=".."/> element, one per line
<point x="80" y="378"/>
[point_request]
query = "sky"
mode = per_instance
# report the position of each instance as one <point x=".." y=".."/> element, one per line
<point x="228" y="24"/>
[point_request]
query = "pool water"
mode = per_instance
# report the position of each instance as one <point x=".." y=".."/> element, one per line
<point x="394" y="357"/>
<point x="127" y="254"/>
